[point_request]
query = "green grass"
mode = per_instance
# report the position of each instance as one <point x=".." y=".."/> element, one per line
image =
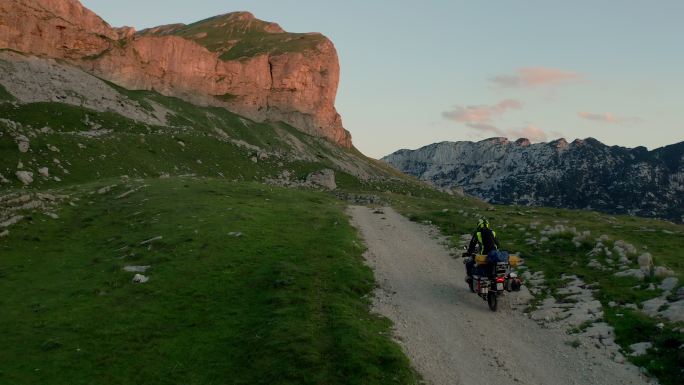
<point x="228" y="97"/>
<point x="239" y="39"/>
<point x="286" y="302"/>
<point x="560" y="256"/>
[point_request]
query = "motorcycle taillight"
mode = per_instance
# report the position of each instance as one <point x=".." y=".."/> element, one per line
<point x="499" y="279"/>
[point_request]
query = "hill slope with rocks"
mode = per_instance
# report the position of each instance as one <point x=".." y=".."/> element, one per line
<point x="252" y="67"/>
<point x="583" y="174"/>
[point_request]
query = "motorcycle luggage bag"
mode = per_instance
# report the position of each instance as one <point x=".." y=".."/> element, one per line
<point x="496" y="256"/>
<point x="480" y="260"/>
<point x="514" y="260"/>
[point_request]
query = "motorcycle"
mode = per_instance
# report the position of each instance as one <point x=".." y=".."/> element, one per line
<point x="490" y="280"/>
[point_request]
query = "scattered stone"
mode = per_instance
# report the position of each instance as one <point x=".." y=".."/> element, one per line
<point x="52" y="148"/>
<point x="23" y="143"/>
<point x="662" y="272"/>
<point x="324" y="178"/>
<point x="674" y="311"/>
<point x="652" y="306"/>
<point x="636" y="273"/>
<point x="157" y="238"/>
<point x="645" y="261"/>
<point x="136" y="269"/>
<point x="139" y="278"/>
<point x="44" y="171"/>
<point x="105" y="189"/>
<point x="52" y="215"/>
<point x="668" y="284"/>
<point x="12" y="221"/>
<point x="680" y="293"/>
<point x="26" y="177"/>
<point x="639" y="349"/>
<point x="235" y="234"/>
<point x="4" y="233"/>
<point x="254" y="159"/>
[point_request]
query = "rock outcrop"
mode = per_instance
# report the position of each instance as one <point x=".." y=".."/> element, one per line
<point x="583" y="174"/>
<point x="249" y="66"/>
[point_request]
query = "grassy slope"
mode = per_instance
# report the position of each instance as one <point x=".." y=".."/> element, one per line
<point x="560" y="256"/>
<point x="236" y="38"/>
<point x="141" y="151"/>
<point x="285" y="303"/>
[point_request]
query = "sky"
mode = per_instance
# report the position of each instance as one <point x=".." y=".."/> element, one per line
<point x="418" y="72"/>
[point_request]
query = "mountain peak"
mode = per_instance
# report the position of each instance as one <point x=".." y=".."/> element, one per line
<point x="496" y="140"/>
<point x="523" y="142"/>
<point x="559" y="143"/>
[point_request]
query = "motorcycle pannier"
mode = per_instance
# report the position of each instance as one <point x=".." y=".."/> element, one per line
<point x="481" y="260"/>
<point x="514" y="260"/>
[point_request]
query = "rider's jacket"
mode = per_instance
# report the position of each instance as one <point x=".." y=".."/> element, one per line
<point x="487" y="240"/>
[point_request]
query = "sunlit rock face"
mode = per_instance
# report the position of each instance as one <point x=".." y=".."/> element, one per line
<point x="236" y="61"/>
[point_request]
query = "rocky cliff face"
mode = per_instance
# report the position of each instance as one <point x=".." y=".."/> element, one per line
<point x="251" y="67"/>
<point x="580" y="174"/>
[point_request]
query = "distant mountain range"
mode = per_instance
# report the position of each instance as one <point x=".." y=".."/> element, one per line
<point x="584" y="174"/>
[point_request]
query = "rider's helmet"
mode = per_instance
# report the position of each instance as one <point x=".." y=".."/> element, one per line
<point x="483" y="223"/>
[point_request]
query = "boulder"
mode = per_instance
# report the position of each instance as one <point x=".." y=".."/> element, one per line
<point x="639" y="349"/>
<point x="23" y="143"/>
<point x="324" y="178"/>
<point x="663" y="272"/>
<point x="645" y="261"/>
<point x="139" y="278"/>
<point x="668" y="284"/>
<point x="652" y="306"/>
<point x="674" y="311"/>
<point x="26" y="177"/>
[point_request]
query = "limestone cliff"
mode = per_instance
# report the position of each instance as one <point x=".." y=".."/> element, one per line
<point x="236" y="61"/>
<point x="580" y="174"/>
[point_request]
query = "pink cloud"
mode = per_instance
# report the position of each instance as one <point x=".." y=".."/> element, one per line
<point x="536" y="76"/>
<point x="480" y="113"/>
<point x="531" y="132"/>
<point x="608" y="118"/>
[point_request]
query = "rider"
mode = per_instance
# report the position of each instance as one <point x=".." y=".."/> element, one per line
<point x="485" y="237"/>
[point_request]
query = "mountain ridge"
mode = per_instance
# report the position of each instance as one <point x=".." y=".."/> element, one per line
<point x="582" y="174"/>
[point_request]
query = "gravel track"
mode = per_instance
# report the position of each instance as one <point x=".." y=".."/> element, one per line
<point x="450" y="334"/>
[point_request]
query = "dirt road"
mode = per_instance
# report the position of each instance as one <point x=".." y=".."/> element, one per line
<point x="450" y="335"/>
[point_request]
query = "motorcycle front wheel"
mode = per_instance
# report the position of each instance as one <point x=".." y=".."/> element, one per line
<point x="491" y="300"/>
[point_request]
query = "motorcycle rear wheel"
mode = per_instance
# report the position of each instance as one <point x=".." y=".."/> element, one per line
<point x="491" y="300"/>
<point x="469" y="280"/>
